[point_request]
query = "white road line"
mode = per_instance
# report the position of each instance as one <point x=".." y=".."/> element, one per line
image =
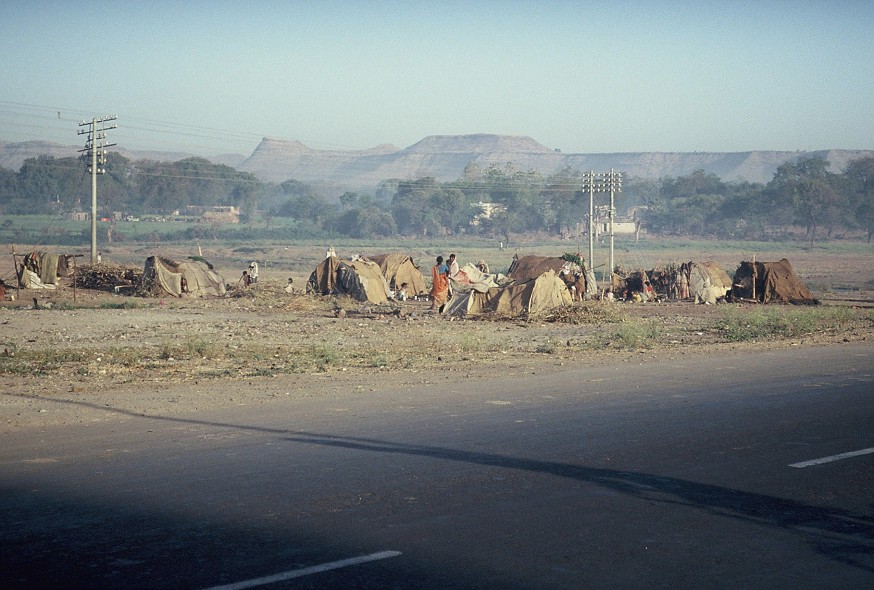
<point x="307" y="571"/>
<point x="833" y="458"/>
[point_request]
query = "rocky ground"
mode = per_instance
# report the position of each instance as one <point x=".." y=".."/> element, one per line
<point x="106" y="357"/>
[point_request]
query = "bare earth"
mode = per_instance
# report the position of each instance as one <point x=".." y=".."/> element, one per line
<point x="108" y="357"/>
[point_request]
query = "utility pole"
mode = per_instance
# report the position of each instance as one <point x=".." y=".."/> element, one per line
<point x="613" y="180"/>
<point x="95" y="151"/>
<point x="594" y="183"/>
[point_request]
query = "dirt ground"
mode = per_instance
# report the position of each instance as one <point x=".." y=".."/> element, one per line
<point x="105" y="356"/>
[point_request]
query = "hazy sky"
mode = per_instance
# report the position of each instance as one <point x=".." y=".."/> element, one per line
<point x="214" y="77"/>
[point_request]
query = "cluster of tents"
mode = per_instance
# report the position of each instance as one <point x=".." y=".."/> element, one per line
<point x="707" y="282"/>
<point x="533" y="283"/>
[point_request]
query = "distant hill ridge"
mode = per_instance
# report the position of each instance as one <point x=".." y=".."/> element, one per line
<point x="444" y="157"/>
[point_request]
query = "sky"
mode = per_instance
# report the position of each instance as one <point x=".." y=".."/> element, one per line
<point x="213" y="77"/>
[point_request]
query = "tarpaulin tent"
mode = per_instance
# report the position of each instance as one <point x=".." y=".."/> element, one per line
<point x="571" y="267"/>
<point x="770" y="282"/>
<point x="707" y="275"/>
<point x="163" y="277"/>
<point x="543" y="293"/>
<point x="469" y="277"/>
<point x="359" y="279"/>
<point x="41" y="270"/>
<point x="399" y="269"/>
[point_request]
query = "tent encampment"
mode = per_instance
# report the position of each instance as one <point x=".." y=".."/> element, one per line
<point x="195" y="277"/>
<point x="359" y="279"/>
<point x="543" y="293"/>
<point x="41" y="270"/>
<point x="770" y="282"/>
<point x="399" y="269"/>
<point x="570" y="268"/>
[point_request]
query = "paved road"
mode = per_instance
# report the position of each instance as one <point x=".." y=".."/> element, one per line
<point x="659" y="475"/>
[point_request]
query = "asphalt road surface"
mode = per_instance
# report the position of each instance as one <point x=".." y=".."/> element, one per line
<point x="739" y="471"/>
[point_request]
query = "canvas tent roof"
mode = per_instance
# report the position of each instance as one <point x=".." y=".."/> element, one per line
<point x="360" y="279"/>
<point x="543" y="293"/>
<point x="525" y="268"/>
<point x="163" y="277"/>
<point x="399" y="269"/>
<point x="469" y="277"/>
<point x="41" y="270"/>
<point x="707" y="274"/>
<point x="774" y="281"/>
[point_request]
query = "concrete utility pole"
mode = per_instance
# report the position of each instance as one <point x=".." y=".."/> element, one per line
<point x="614" y="183"/>
<point x="594" y="183"/>
<point x="95" y="151"/>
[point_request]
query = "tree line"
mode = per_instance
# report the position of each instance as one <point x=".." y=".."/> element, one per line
<point x="498" y="201"/>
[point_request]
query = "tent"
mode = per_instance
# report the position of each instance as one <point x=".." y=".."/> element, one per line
<point x="570" y="268"/>
<point x="41" y="270"/>
<point x="704" y="276"/>
<point x="360" y="279"/>
<point x="469" y="277"/>
<point x="770" y="282"/>
<point x="194" y="277"/>
<point x="399" y="269"/>
<point x="543" y="293"/>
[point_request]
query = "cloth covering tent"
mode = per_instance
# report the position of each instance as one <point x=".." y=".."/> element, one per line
<point x="773" y="281"/>
<point x="543" y="293"/>
<point x="359" y="279"/>
<point x="707" y="275"/>
<point x="195" y="277"/>
<point x="41" y="270"/>
<point x="571" y="267"/>
<point x="399" y="269"/>
<point x="469" y="278"/>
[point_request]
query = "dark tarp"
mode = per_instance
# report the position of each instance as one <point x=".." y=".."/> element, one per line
<point x="773" y="281"/>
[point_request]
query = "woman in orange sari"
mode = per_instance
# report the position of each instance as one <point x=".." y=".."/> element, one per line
<point x="439" y="285"/>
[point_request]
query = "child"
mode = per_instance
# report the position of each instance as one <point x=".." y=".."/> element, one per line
<point x="401" y="295"/>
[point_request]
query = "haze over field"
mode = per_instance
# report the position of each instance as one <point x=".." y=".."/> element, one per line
<point x="652" y="76"/>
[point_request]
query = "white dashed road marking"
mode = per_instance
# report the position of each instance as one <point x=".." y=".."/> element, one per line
<point x="306" y="571"/>
<point x="833" y="458"/>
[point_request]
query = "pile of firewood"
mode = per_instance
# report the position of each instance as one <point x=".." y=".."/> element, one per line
<point x="105" y="277"/>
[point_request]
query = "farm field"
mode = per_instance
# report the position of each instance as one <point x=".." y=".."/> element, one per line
<point x="105" y="356"/>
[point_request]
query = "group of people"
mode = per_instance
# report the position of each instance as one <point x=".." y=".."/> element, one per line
<point x="440" y="275"/>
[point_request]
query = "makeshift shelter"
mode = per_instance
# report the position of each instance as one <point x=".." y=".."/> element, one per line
<point x="194" y="277"/>
<point x="399" y="269"/>
<point x="41" y="270"/>
<point x="359" y="279"/>
<point x="543" y="293"/>
<point x="769" y="282"/>
<point x="625" y="282"/>
<point x="706" y="278"/>
<point x="469" y="278"/>
<point x="570" y="268"/>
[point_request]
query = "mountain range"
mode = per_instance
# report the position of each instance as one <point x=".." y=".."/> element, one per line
<point x="444" y="157"/>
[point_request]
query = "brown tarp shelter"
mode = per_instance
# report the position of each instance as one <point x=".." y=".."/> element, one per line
<point x="528" y="267"/>
<point x="773" y="282"/>
<point x="163" y="277"/>
<point x="543" y="293"/>
<point x="399" y="269"/>
<point x="359" y="279"/>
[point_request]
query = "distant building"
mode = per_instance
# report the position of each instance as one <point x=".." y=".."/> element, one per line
<point x="215" y="214"/>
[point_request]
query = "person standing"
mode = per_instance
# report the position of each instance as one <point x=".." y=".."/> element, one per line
<point x="439" y="285"/>
<point x="453" y="266"/>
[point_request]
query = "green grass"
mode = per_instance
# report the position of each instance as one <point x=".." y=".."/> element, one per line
<point x="739" y="325"/>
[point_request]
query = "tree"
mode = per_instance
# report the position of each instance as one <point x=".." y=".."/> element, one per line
<point x="860" y="181"/>
<point x="806" y="184"/>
